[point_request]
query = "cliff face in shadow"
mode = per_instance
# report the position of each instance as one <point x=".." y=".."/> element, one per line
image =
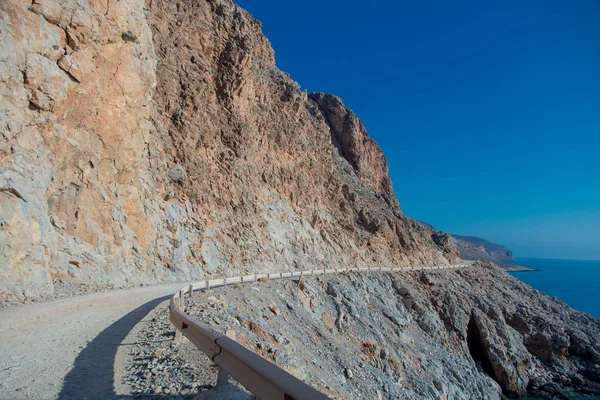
<point x="155" y="141"/>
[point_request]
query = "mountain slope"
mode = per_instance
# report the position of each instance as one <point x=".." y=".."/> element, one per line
<point x="146" y="142"/>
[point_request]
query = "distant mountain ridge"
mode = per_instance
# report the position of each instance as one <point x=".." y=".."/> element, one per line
<point x="472" y="244"/>
<point x="476" y="248"/>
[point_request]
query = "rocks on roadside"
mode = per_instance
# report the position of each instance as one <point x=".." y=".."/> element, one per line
<point x="394" y="349"/>
<point x="331" y="290"/>
<point x="348" y="373"/>
<point x="301" y="284"/>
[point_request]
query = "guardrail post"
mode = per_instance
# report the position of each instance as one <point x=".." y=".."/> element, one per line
<point x="222" y="375"/>
<point x="181" y="300"/>
<point x="180" y="306"/>
<point x="191" y="290"/>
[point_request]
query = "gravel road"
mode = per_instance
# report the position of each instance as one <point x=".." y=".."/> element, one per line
<point x="72" y="348"/>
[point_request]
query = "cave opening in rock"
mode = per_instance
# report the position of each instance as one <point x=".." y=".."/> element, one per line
<point x="477" y="351"/>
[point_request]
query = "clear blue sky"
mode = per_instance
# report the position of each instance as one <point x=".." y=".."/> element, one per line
<point x="488" y="111"/>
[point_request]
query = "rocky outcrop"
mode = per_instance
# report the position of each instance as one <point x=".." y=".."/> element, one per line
<point x="151" y="141"/>
<point x="74" y="127"/>
<point x="473" y="333"/>
<point x="352" y="141"/>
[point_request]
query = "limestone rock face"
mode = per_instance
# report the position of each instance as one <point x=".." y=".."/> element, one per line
<point x="504" y="349"/>
<point x="144" y="142"/>
<point x="73" y="132"/>
<point x="350" y="138"/>
<point x="177" y="173"/>
<point x="472" y="333"/>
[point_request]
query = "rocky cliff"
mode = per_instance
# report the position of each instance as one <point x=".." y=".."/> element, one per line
<point x="151" y="141"/>
<point x="475" y="333"/>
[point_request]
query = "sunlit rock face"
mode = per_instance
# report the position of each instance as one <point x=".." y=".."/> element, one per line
<point x="76" y="187"/>
<point x="352" y="141"/>
<point x="154" y="141"/>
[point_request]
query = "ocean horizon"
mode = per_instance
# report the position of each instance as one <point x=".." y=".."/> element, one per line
<point x="575" y="282"/>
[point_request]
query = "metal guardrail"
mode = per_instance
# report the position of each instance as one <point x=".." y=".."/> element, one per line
<point x="261" y="377"/>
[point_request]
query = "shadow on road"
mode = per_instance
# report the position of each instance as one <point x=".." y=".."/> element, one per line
<point x="92" y="375"/>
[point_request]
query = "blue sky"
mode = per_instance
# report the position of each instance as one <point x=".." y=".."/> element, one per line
<point x="488" y="111"/>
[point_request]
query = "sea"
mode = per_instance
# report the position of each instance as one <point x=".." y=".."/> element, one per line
<point x="575" y="282"/>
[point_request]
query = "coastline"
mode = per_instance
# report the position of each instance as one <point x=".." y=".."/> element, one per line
<point x="506" y="265"/>
<point x="572" y="281"/>
<point x="510" y="267"/>
<point x="519" y="268"/>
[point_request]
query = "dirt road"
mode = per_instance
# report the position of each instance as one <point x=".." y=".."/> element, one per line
<point x="68" y="348"/>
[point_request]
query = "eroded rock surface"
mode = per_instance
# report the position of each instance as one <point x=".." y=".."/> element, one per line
<point x="75" y="180"/>
<point x="352" y="141"/>
<point x="474" y="333"/>
<point x="151" y="141"/>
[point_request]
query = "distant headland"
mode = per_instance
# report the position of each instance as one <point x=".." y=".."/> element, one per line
<point x="475" y="248"/>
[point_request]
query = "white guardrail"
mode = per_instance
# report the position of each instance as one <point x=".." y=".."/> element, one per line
<point x="261" y="377"/>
